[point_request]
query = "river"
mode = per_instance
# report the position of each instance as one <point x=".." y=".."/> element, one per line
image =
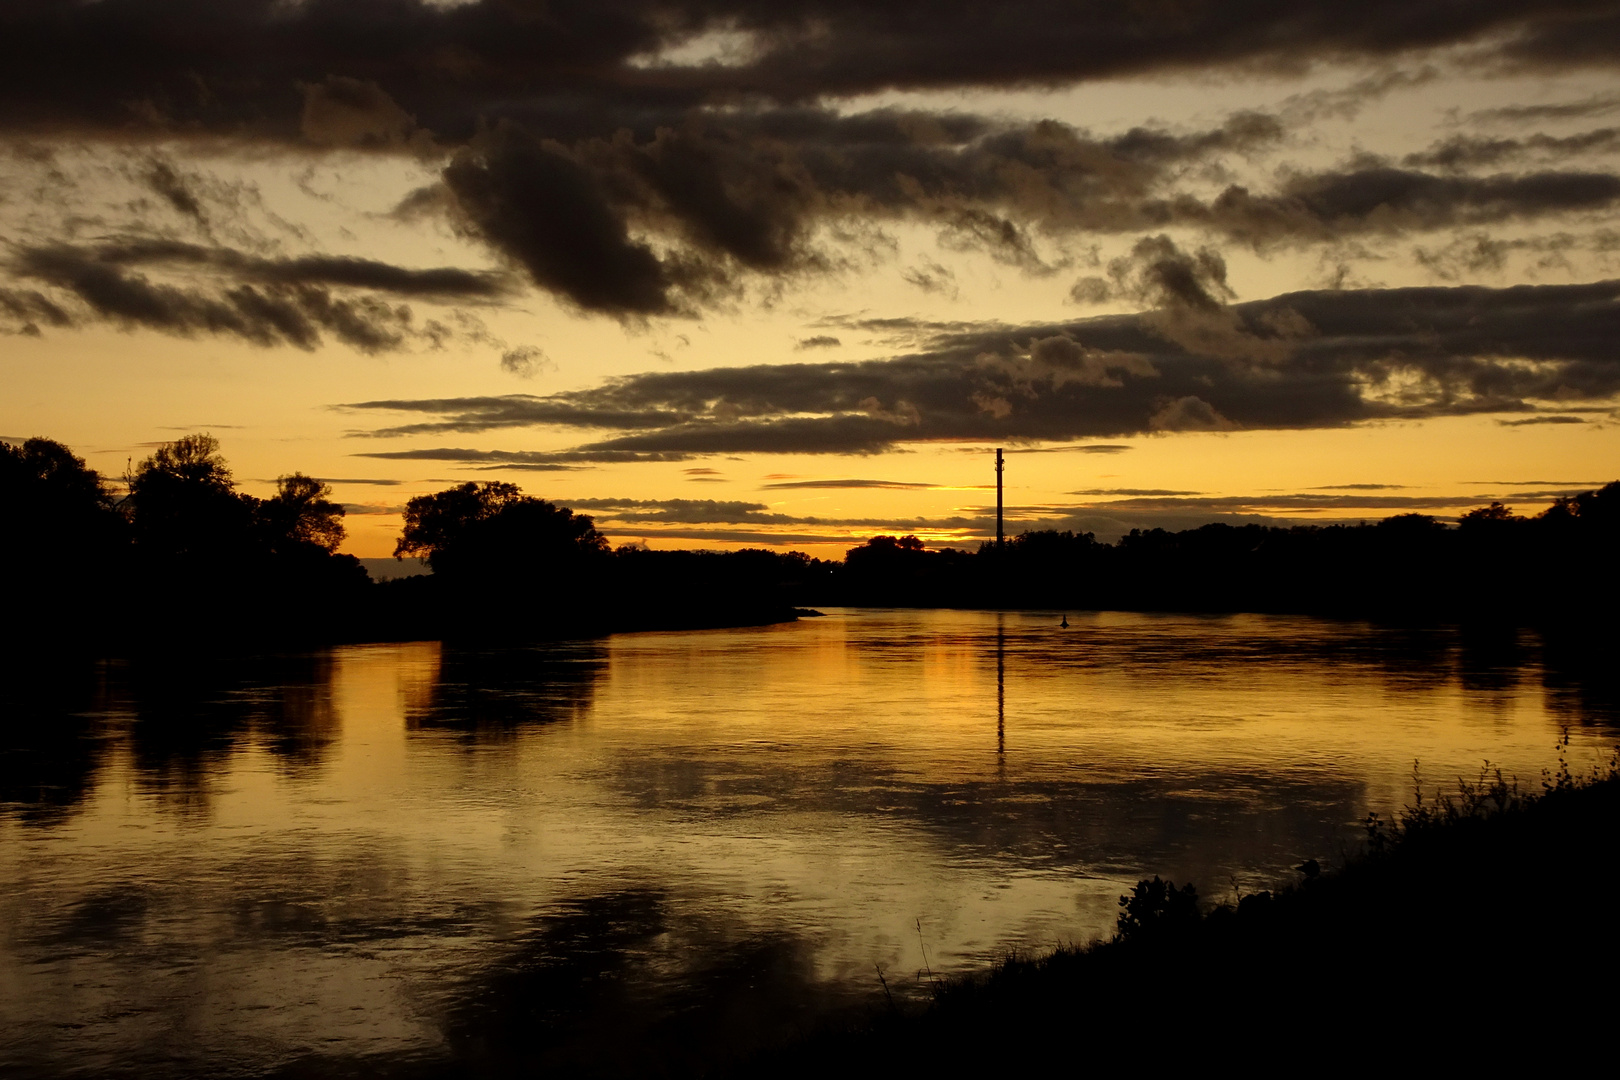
<point x="401" y="858"/>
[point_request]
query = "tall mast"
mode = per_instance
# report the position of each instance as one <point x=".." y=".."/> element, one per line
<point x="1001" y="540"/>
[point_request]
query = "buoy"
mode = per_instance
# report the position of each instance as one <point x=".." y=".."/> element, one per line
<point x="1065" y="620"/>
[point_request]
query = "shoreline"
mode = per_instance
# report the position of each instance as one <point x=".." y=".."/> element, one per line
<point x="1472" y="922"/>
<point x="388" y="623"/>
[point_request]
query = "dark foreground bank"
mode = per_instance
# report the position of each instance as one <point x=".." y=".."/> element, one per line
<point x="1477" y="932"/>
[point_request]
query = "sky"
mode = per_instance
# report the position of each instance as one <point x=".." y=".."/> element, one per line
<point x="738" y="274"/>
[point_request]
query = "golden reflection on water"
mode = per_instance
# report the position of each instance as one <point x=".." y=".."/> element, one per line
<point x="335" y="855"/>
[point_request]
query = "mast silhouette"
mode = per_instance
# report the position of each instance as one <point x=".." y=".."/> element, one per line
<point x="1001" y="539"/>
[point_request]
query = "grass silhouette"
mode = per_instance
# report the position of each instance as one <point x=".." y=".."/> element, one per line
<point x="1484" y="921"/>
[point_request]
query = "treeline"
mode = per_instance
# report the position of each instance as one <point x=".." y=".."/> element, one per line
<point x="180" y="559"/>
<point x="1492" y="564"/>
<point x="508" y="564"/>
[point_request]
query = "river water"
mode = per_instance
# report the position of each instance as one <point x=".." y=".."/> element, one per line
<point x="409" y="858"/>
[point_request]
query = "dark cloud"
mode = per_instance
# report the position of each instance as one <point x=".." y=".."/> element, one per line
<point x="1294" y="503"/>
<point x="819" y="341"/>
<point x="166" y="180"/>
<point x="213" y="290"/>
<point x="22" y="310"/>
<point x="1582" y="485"/>
<point x="1133" y="491"/>
<point x="613" y="514"/>
<point x="344" y="112"/>
<point x="358" y="480"/>
<point x="1088" y="448"/>
<point x="1529" y="420"/>
<point x="931" y="277"/>
<point x="836" y="434"/>
<point x="371" y="68"/>
<point x="1589" y="34"/>
<point x="1159" y="274"/>
<point x="1189" y="413"/>
<point x="575" y="409"/>
<point x="446" y="283"/>
<point x="675" y="222"/>
<point x="751" y="195"/>
<point x="1301" y="360"/>
<point x="534" y="202"/>
<point x="1347" y="102"/>
<point x="532" y="460"/>
<point x="1474" y="151"/>
<point x="1386" y="200"/>
<point x="671" y="191"/>
<point x="265" y="316"/>
<point x="525" y="361"/>
<point x="1595" y="105"/>
<point x="681" y="511"/>
<point x="897" y="330"/>
<point x="635" y="187"/>
<point x="894" y="484"/>
<point x="1542" y="496"/>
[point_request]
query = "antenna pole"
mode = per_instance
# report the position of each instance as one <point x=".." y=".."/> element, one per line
<point x="1001" y="539"/>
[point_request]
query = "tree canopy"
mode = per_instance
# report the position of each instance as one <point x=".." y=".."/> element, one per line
<point x="184" y="506"/>
<point x="59" y="513"/>
<point x="493" y="528"/>
<point x="301" y="512"/>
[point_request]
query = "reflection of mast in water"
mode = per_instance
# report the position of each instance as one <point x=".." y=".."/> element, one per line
<point x="1001" y="686"/>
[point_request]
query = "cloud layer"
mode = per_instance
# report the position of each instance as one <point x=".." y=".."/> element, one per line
<point x="370" y="69"/>
<point x="644" y="159"/>
<point x="1302" y="360"/>
<point x="265" y="301"/>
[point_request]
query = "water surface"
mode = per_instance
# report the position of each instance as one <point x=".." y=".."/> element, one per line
<point x="406" y="857"/>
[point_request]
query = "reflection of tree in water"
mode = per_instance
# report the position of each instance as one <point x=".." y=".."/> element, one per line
<point x="488" y="693"/>
<point x="1581" y="677"/>
<point x="192" y="715"/>
<point x="290" y="710"/>
<point x="1491" y="658"/>
<point x="52" y="742"/>
<point x="1407" y="656"/>
<point x="1196" y="823"/>
<point x="623" y="984"/>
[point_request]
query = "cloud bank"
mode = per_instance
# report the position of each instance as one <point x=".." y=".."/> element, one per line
<point x="601" y="153"/>
<point x="1302" y="360"/>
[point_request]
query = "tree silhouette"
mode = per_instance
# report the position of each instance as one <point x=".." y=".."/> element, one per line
<point x="492" y="530"/>
<point x="54" y="503"/>
<point x="183" y="503"/>
<point x="1490" y="516"/>
<point x="437" y="525"/>
<point x="301" y="514"/>
<point x="1598" y="510"/>
<point x="44" y="479"/>
<point x="62" y="546"/>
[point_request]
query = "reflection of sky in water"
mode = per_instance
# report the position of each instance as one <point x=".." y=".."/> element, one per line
<point x="398" y="852"/>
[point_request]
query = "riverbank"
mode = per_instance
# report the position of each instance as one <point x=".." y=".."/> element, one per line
<point x="410" y="609"/>
<point x="1479" y="929"/>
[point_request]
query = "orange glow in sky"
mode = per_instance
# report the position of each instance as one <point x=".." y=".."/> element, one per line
<point x="1337" y="281"/>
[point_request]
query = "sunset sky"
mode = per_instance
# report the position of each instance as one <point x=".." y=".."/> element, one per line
<point x="736" y="274"/>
